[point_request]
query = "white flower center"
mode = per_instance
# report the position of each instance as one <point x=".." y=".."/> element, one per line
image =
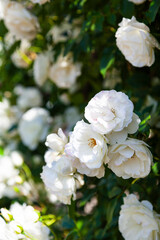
<point x="92" y="142"/>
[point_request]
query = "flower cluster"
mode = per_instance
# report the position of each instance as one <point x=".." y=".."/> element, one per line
<point x="59" y="174"/>
<point x="91" y="146"/>
<point x="22" y="222"/>
<point x="63" y="72"/>
<point x="9" y="115"/>
<point x="24" y="26"/>
<point x="137" y="220"/>
<point x="27" y="119"/>
<point x="9" y="173"/>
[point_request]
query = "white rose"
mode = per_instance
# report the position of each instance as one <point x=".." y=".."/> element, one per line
<point x="27" y="218"/>
<point x="8" y="172"/>
<point x="28" y="97"/>
<point x="9" y="40"/>
<point x="60" y="179"/>
<point x="109" y="111"/>
<point x="6" y="214"/>
<point x="8" y="116"/>
<point x="41" y="68"/>
<point x="40" y="1"/>
<point x="57" y="142"/>
<point x="51" y="156"/>
<point x="87" y="145"/>
<point x="6" y="231"/>
<point x="64" y="72"/>
<point x="136" y="43"/>
<point x="137" y="220"/>
<point x="131" y="158"/>
<point x="3" y="5"/>
<point x="33" y="127"/>
<point x="19" y="21"/>
<point x="60" y="33"/>
<point x="7" y="191"/>
<point x="23" y="56"/>
<point x="83" y="169"/>
<point x="137" y="2"/>
<point x="65" y="30"/>
<point x="118" y="137"/>
<point x="17" y="158"/>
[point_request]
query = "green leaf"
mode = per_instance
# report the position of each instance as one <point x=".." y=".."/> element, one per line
<point x="85" y="43"/>
<point x="127" y="9"/>
<point x="1" y="151"/>
<point x="155" y="168"/>
<point x="68" y="223"/>
<point x="99" y="22"/>
<point x="110" y="211"/>
<point x="107" y="60"/>
<point x="144" y="125"/>
<point x="73" y="235"/>
<point x="114" y="192"/>
<point x="68" y="47"/>
<point x="49" y="219"/>
<point x="153" y="10"/>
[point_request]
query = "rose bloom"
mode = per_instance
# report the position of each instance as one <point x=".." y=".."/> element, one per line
<point x="56" y="144"/>
<point x="119" y="137"/>
<point x="27" y="218"/>
<point x="64" y="72"/>
<point x="131" y="158"/>
<point x="9" y="115"/>
<point x="28" y="97"/>
<point x="87" y="145"/>
<point x="57" y="141"/>
<point x="60" y="179"/>
<point x="109" y="111"/>
<point x="137" y="220"/>
<point x="40" y="1"/>
<point x="66" y="30"/>
<point x="33" y="127"/>
<point x="3" y="5"/>
<point x="60" y="33"/>
<point x="83" y="169"/>
<point x="136" y="43"/>
<point x="8" y="171"/>
<point x="137" y="2"/>
<point x="19" y="21"/>
<point x="6" y="231"/>
<point x="23" y="57"/>
<point x="41" y="68"/>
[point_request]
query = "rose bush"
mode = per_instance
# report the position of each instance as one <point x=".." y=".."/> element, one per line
<point x="79" y="119"/>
